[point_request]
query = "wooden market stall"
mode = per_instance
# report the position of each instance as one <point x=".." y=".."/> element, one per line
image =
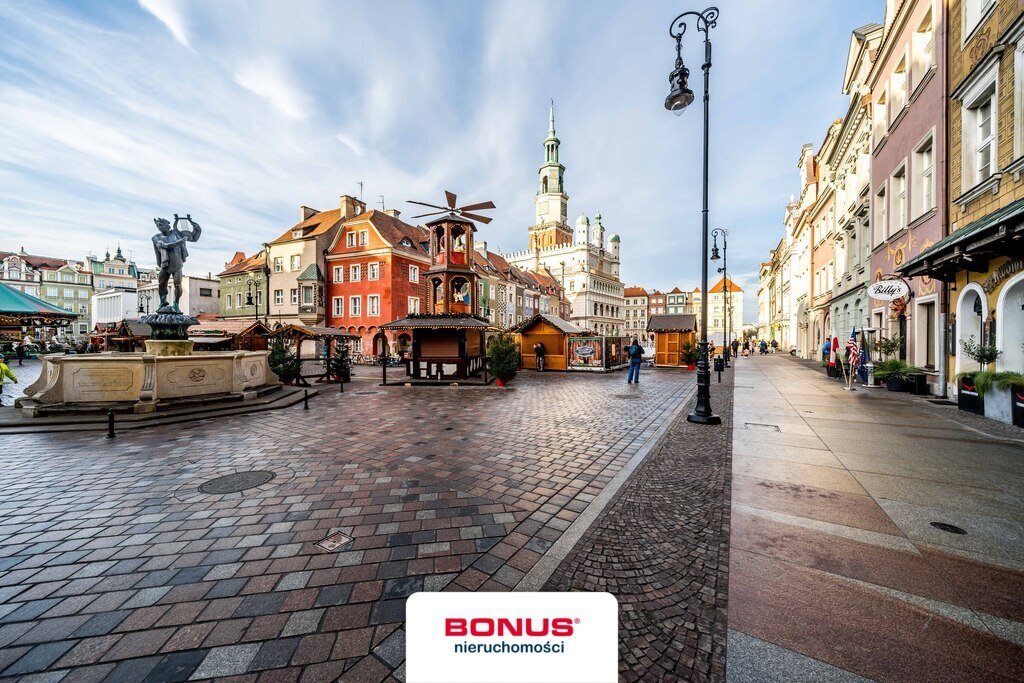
<point x="124" y="336"/>
<point x="671" y="334"/>
<point x="314" y="347"/>
<point x="23" y="315"/>
<point x="445" y="346"/>
<point x="549" y="330"/>
<point x="229" y="335"/>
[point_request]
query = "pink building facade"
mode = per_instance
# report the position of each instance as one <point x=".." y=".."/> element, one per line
<point x="908" y="84"/>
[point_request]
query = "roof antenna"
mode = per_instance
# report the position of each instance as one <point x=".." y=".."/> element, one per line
<point x="360" y="184"/>
<point x="381" y="197"/>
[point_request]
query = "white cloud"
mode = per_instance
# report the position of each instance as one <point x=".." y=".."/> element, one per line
<point x="169" y="12"/>
<point x="271" y="81"/>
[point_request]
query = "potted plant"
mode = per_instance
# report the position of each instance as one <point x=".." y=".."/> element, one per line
<point x="971" y="396"/>
<point x="895" y="373"/>
<point x="283" y="362"/>
<point x="1014" y="383"/>
<point x="341" y="362"/>
<point x="504" y="357"/>
<point x="689" y="354"/>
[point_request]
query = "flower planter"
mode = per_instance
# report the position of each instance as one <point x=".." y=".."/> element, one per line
<point x="1017" y="405"/>
<point x="832" y="370"/>
<point x="999" y="405"/>
<point x="918" y="385"/>
<point x="895" y="385"/>
<point x="499" y="382"/>
<point x="691" y="367"/>
<point x="967" y="397"/>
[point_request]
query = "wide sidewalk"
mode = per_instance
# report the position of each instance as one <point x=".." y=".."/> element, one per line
<point x="836" y="570"/>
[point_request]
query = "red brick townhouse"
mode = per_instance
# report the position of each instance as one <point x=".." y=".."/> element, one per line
<point x="374" y="275"/>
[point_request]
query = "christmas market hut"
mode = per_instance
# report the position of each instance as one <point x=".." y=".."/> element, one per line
<point x="551" y="331"/>
<point x="445" y="346"/>
<point x="23" y="314"/>
<point x="232" y="334"/>
<point x="672" y="333"/>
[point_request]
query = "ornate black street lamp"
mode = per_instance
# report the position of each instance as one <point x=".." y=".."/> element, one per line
<point x="251" y="284"/>
<point x="679" y="98"/>
<point x="724" y="257"/>
<point x="148" y="298"/>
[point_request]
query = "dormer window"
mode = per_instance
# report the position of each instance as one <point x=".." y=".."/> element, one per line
<point x="405" y="242"/>
<point x="296" y="234"/>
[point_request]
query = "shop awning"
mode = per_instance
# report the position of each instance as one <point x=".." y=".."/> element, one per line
<point x="672" y="323"/>
<point x="21" y="309"/>
<point x="1000" y="233"/>
<point x="439" y="322"/>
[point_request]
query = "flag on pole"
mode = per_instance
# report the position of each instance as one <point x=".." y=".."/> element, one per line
<point x="833" y="354"/>
<point x="853" y="349"/>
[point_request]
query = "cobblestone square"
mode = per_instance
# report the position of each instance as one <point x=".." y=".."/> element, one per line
<point x="115" y="566"/>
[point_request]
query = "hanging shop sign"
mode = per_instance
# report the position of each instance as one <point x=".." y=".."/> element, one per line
<point x="889" y="290"/>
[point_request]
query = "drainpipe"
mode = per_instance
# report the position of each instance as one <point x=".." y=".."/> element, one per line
<point x="944" y="211"/>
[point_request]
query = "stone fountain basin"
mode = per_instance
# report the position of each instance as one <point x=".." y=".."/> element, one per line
<point x="144" y="379"/>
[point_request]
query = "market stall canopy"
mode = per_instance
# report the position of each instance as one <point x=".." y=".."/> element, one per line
<point x="969" y="248"/>
<point x="672" y="323"/>
<point x="439" y="322"/>
<point x="24" y="310"/>
<point x="310" y="331"/>
<point x="562" y="325"/>
<point x="227" y="328"/>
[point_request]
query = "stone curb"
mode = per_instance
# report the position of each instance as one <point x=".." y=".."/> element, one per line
<point x="550" y="561"/>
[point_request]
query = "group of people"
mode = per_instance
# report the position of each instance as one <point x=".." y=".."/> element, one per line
<point x="759" y="346"/>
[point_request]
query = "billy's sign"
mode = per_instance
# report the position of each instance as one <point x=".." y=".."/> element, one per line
<point x="889" y="290"/>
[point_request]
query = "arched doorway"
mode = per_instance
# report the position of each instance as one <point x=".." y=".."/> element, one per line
<point x="1010" y="318"/>
<point x="381" y="347"/>
<point x="971" y="310"/>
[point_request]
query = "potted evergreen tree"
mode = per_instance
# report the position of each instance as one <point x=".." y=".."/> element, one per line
<point x="341" y="362"/>
<point x="690" y="354"/>
<point x="973" y="385"/>
<point x="504" y="357"/>
<point x="283" y="362"/>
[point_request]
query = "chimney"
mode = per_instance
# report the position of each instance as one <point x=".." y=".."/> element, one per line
<point x="350" y="206"/>
<point x="394" y="213"/>
<point x="481" y="246"/>
<point x="307" y="212"/>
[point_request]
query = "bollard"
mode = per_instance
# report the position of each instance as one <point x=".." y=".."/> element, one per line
<point x="341" y="385"/>
<point x="110" y="424"/>
<point x="305" y="399"/>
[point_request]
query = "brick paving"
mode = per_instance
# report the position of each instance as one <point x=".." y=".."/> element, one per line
<point x="662" y="548"/>
<point x="113" y="566"/>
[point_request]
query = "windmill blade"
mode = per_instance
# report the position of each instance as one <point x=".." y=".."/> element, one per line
<point x="436" y="213"/>
<point x="450" y="196"/>
<point x="432" y="206"/>
<point x="474" y="207"/>
<point x="475" y="217"/>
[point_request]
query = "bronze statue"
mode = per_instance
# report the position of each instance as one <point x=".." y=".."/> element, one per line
<point x="171" y="253"/>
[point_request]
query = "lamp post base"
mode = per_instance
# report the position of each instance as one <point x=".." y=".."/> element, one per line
<point x="697" y="418"/>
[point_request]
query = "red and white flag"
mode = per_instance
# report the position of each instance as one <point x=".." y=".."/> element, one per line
<point x="833" y="354"/>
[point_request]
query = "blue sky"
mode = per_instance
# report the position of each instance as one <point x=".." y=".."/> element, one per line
<point x="240" y="111"/>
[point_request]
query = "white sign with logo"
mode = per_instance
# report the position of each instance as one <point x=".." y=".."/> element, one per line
<point x="889" y="290"/>
<point x="512" y="638"/>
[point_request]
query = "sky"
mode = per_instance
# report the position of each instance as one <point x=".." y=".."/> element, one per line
<point x="240" y="111"/>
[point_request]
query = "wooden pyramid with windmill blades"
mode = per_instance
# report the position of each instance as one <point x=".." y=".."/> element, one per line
<point x="453" y="209"/>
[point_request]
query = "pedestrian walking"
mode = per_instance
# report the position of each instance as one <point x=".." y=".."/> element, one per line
<point x="746" y="348"/>
<point x="735" y="344"/>
<point x="775" y="346"/>
<point x="538" y="350"/>
<point x="5" y="374"/>
<point x="636" y="358"/>
<point x="20" y="351"/>
<point x="764" y="347"/>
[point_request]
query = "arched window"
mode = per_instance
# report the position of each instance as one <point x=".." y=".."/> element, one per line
<point x="971" y="310"/>
<point x="544" y="185"/>
<point x="1010" y="317"/>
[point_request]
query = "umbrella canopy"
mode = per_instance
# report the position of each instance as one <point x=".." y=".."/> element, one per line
<point x="20" y="309"/>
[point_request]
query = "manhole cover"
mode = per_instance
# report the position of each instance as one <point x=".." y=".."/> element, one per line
<point x="334" y="541"/>
<point x="233" y="483"/>
<point x="948" y="528"/>
<point x="761" y="425"/>
<point x="627" y="396"/>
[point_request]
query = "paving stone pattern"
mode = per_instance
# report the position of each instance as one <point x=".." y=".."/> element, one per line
<point x="114" y="567"/>
<point x="662" y="548"/>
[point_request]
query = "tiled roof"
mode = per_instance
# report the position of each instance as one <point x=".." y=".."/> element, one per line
<point x="317" y="224"/>
<point x="47" y="262"/>
<point x="563" y="325"/>
<point x="397" y="233"/>
<point x="672" y="323"/>
<point x="246" y="264"/>
<point x="720" y="287"/>
<point x="310" y="273"/>
<point x="634" y="291"/>
<point x="676" y="290"/>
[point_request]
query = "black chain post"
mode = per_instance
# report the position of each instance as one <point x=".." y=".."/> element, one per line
<point x="110" y="424"/>
<point x="305" y="399"/>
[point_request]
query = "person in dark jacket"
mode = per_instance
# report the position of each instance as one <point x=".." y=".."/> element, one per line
<point x="636" y="358"/>
<point x="20" y="350"/>
<point x="538" y="350"/>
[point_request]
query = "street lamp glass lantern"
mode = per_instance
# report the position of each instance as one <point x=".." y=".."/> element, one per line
<point x="680" y="96"/>
<point x="248" y="299"/>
